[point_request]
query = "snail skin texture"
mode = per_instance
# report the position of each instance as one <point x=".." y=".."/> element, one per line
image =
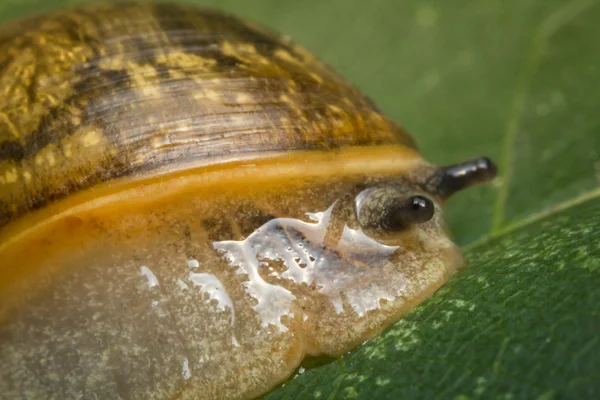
<point x="190" y="205"/>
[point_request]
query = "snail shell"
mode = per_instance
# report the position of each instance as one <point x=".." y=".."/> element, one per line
<point x="190" y="205"/>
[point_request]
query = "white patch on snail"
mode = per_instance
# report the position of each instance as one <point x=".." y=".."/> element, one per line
<point x="185" y="370"/>
<point x="299" y="245"/>
<point x="182" y="284"/>
<point x="273" y="301"/>
<point x="152" y="280"/>
<point x="193" y="264"/>
<point x="354" y="244"/>
<point x="212" y="286"/>
<point x="234" y="342"/>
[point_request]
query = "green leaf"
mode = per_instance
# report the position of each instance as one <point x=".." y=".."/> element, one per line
<point x="517" y="81"/>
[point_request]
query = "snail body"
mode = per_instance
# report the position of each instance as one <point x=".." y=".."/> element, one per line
<point x="190" y="205"/>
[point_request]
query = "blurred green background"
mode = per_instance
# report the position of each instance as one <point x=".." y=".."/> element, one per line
<point x="518" y="81"/>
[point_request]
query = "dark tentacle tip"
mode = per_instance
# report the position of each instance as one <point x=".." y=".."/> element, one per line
<point x="449" y="180"/>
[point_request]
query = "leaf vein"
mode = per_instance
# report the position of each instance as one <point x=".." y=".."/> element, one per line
<point x="572" y="202"/>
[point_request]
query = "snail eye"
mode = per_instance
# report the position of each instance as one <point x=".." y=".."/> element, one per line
<point x="402" y="214"/>
<point x="385" y="211"/>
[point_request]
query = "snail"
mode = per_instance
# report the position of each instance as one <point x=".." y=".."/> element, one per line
<point x="191" y="204"/>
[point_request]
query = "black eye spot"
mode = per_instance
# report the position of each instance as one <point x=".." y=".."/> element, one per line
<point x="422" y="209"/>
<point x="388" y="211"/>
<point x="403" y="213"/>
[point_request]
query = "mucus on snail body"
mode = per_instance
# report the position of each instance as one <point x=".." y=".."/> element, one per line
<point x="190" y="205"/>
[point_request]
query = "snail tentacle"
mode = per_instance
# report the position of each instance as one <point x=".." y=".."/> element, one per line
<point x="450" y="179"/>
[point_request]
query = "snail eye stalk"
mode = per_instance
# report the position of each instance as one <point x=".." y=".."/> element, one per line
<point x="386" y="211"/>
<point x="411" y="211"/>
